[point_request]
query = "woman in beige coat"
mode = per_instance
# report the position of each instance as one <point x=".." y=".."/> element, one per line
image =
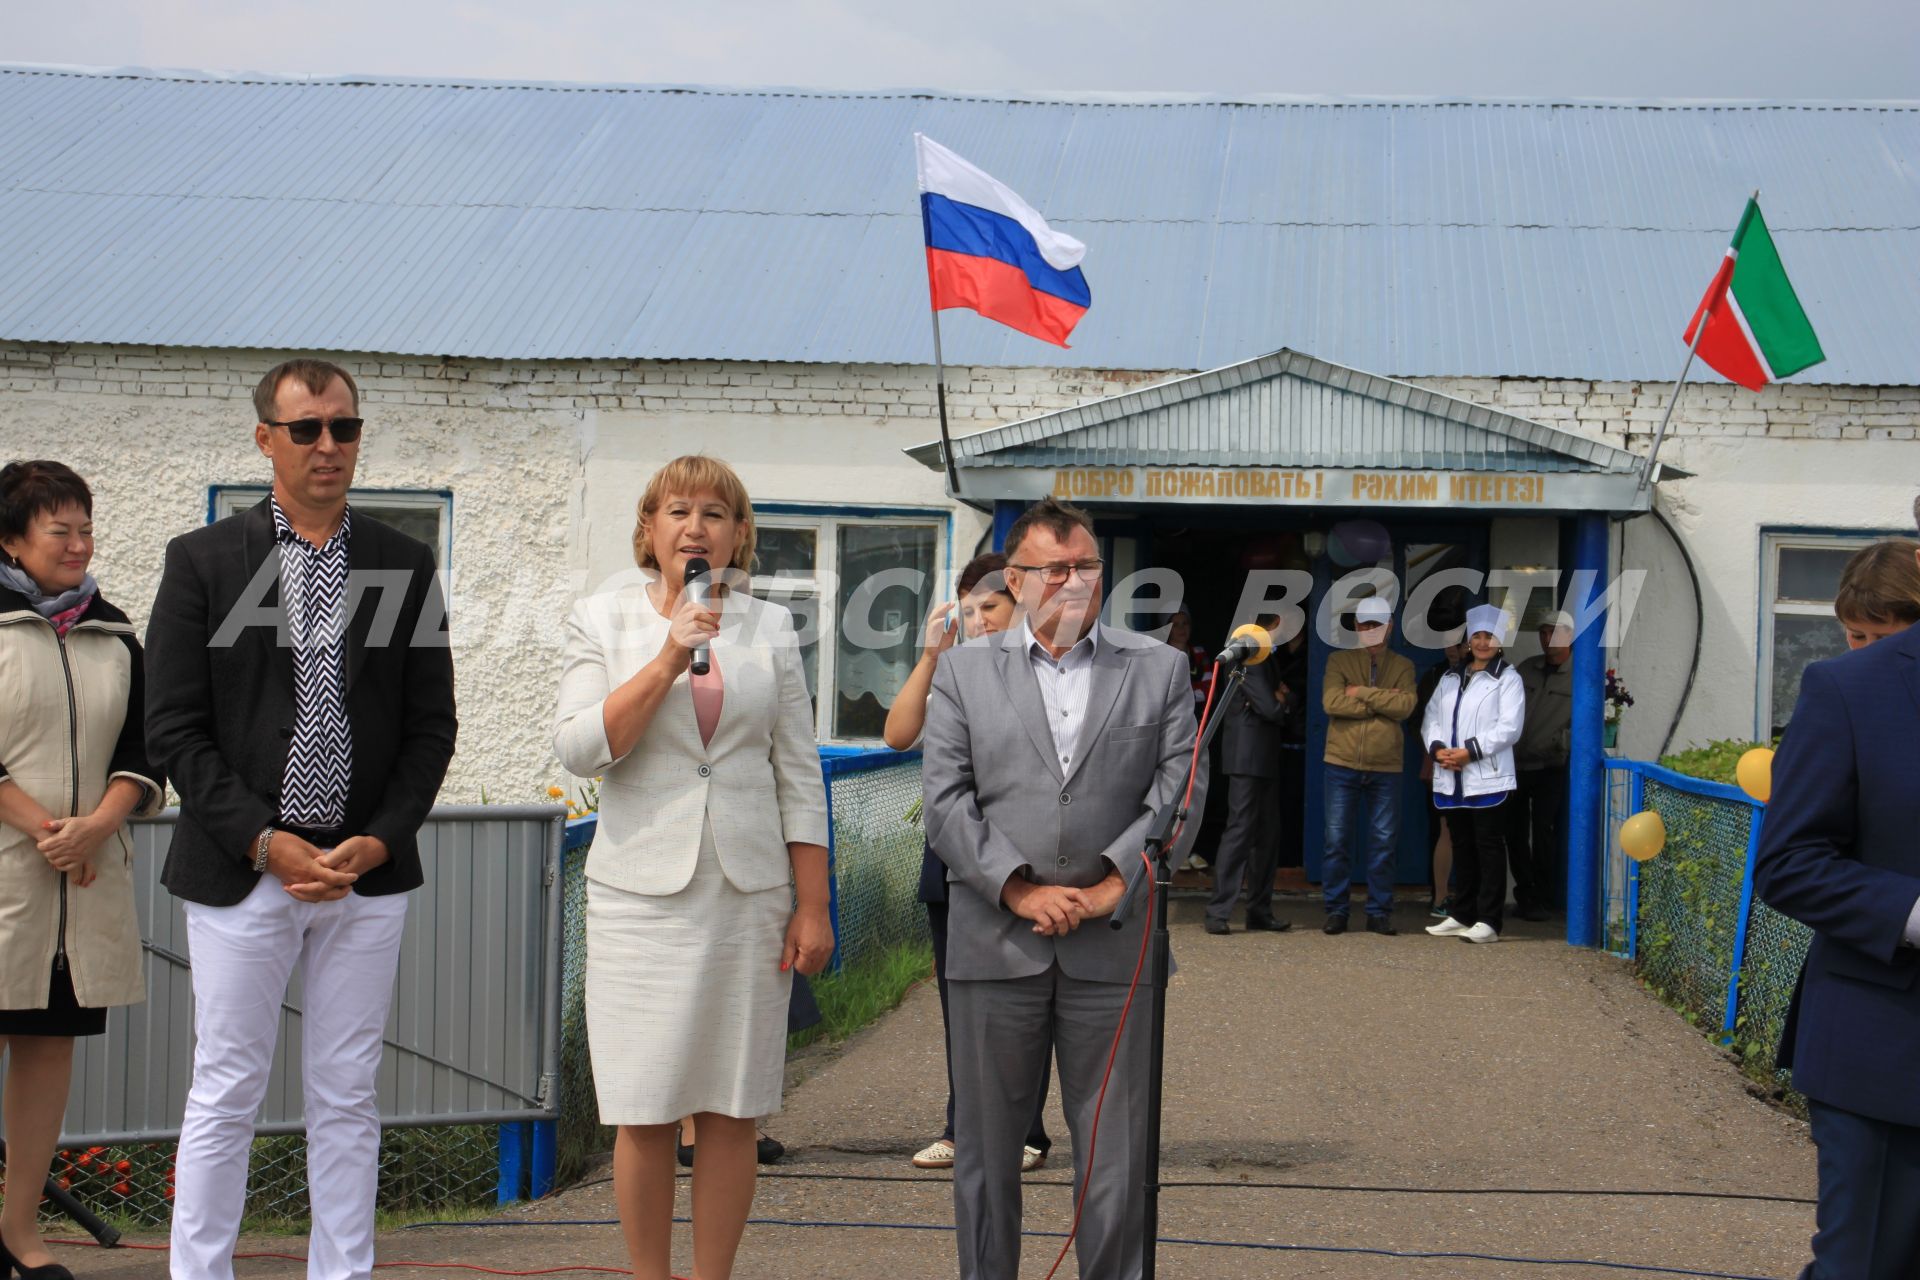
<point x="73" y="768"/>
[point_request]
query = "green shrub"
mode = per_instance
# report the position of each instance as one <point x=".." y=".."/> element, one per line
<point x="1714" y="762"/>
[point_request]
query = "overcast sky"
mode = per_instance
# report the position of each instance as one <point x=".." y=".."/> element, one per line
<point x="1479" y="48"/>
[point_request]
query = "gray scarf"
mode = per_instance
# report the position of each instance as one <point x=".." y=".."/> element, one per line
<point x="14" y="578"/>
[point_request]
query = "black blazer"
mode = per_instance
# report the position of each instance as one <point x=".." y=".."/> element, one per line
<point x="1252" y="733"/>
<point x="220" y="699"/>
<point x="1290" y="669"/>
<point x="1837" y="853"/>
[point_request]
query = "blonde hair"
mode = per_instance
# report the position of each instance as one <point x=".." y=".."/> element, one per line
<point x="688" y="476"/>
<point x="1881" y="583"/>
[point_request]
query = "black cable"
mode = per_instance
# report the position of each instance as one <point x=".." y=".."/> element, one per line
<point x="1222" y="1184"/>
<point x="1263" y="1246"/>
<point x="1699" y="627"/>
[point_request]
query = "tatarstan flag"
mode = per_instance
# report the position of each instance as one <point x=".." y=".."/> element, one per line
<point x="1755" y="331"/>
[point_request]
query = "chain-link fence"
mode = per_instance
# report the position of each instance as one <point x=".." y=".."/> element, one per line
<point x="873" y="799"/>
<point x="426" y="1169"/>
<point x="581" y="1133"/>
<point x="1688" y="917"/>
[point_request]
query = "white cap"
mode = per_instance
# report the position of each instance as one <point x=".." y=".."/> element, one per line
<point x="1492" y="619"/>
<point x="1373" y="609"/>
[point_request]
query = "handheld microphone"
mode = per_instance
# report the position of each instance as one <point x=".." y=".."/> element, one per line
<point x="699" y="586"/>
<point x="1250" y="644"/>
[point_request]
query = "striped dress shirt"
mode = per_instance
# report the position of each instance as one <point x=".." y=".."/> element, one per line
<point x="313" y="590"/>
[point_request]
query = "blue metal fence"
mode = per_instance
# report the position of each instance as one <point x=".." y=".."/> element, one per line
<point x="1688" y="918"/>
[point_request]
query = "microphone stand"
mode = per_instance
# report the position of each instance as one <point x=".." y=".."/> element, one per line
<point x="1159" y="848"/>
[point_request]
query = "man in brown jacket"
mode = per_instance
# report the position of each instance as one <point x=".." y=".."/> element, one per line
<point x="1368" y="693"/>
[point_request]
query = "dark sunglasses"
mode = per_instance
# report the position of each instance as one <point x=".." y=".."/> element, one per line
<point x="307" y="430"/>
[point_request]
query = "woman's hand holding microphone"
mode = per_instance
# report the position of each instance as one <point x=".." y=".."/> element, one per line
<point x="691" y="626"/>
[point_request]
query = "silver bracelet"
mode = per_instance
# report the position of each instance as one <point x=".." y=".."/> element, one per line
<point x="260" y="848"/>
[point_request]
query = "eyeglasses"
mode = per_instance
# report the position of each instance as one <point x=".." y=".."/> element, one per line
<point x="304" y="431"/>
<point x="1055" y="575"/>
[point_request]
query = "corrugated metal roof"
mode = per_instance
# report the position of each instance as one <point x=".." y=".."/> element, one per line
<point x="1284" y="410"/>
<point x="555" y="221"/>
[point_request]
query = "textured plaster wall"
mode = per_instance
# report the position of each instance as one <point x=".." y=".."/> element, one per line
<point x="546" y="459"/>
<point x="515" y="478"/>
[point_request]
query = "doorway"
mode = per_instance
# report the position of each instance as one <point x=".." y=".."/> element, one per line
<point x="1213" y="551"/>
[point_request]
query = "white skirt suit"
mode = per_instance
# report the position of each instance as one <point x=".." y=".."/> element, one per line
<point x="689" y="883"/>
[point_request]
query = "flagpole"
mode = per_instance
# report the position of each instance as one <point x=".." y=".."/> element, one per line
<point x="1699" y="331"/>
<point x="940" y="393"/>
<point x="1646" y="469"/>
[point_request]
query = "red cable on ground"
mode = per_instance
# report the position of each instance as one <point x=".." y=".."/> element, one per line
<point x="1133" y="987"/>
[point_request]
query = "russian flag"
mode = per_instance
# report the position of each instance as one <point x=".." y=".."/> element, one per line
<point x="990" y="251"/>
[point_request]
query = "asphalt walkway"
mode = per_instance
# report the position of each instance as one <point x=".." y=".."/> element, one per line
<point x="1518" y="1102"/>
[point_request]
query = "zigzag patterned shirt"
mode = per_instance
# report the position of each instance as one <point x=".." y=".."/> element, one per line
<point x="313" y="588"/>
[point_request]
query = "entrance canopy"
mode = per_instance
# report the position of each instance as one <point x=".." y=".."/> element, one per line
<point x="1290" y="429"/>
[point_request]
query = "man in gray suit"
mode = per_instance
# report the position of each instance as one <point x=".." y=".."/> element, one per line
<point x="1048" y="750"/>
<point x="1250" y="758"/>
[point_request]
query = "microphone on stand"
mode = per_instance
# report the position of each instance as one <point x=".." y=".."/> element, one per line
<point x="1250" y="644"/>
<point x="699" y="587"/>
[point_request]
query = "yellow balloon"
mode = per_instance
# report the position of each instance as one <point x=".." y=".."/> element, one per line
<point x="1754" y="773"/>
<point x="1643" y="836"/>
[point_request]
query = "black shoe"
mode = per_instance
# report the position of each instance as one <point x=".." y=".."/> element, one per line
<point x="1530" y="912"/>
<point x="10" y="1265"/>
<point x="1217" y="926"/>
<point x="1383" y="926"/>
<point x="1267" y="924"/>
<point x="1336" y="923"/>
<point x="765" y="1151"/>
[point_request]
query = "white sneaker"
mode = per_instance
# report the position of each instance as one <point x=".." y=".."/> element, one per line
<point x="938" y="1155"/>
<point x="1448" y="928"/>
<point x="1482" y="932"/>
<point x="1032" y="1158"/>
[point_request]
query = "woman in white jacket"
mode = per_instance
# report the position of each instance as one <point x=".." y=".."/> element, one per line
<point x="707" y="881"/>
<point x="1472" y="723"/>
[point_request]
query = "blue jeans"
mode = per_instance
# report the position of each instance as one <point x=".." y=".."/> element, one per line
<point x="1361" y="807"/>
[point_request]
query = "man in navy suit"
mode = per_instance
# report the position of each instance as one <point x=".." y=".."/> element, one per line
<point x="1840" y="852"/>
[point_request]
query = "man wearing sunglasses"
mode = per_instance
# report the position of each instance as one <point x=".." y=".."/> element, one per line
<point x="299" y="680"/>
<point x="1048" y="750"/>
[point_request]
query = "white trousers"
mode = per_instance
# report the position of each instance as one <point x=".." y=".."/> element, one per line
<point x="242" y="957"/>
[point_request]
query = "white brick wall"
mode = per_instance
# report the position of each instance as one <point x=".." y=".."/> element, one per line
<point x="1622" y="413"/>
<point x="544" y="458"/>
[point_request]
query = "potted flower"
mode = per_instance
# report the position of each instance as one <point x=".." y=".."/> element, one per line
<point x="1617" y="702"/>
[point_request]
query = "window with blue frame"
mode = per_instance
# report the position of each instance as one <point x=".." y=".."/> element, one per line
<point x="859" y="584"/>
<point x="423" y="514"/>
<point x="1799" y="576"/>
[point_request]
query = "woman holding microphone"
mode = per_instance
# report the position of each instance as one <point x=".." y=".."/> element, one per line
<point x="707" y="881"/>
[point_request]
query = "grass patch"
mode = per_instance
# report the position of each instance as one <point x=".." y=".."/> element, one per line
<point x="1714" y="762"/>
<point x="864" y="990"/>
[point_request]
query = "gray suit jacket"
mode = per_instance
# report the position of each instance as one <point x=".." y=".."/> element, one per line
<point x="1250" y="745"/>
<point x="998" y="805"/>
